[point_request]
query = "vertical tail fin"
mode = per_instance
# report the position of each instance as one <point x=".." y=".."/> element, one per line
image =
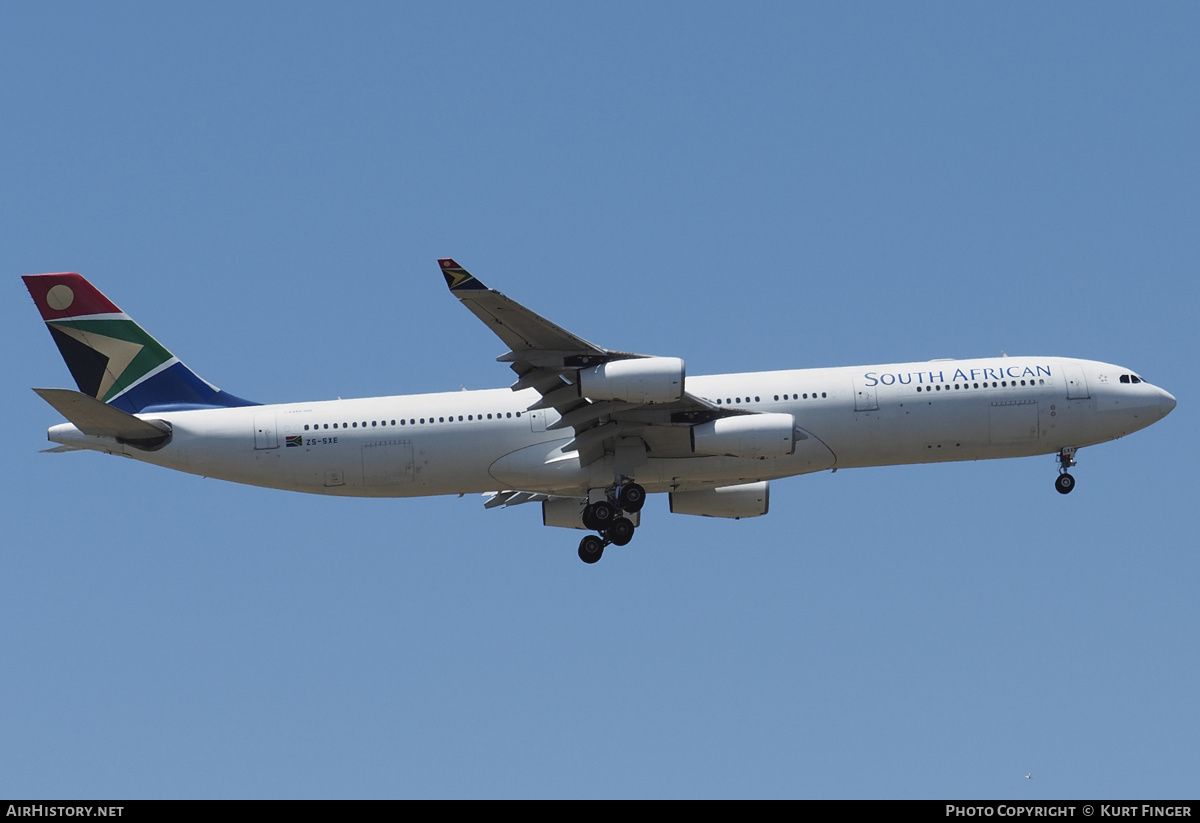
<point x="111" y="357"/>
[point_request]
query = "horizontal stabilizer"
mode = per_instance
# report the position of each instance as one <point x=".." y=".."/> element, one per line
<point x="94" y="417"/>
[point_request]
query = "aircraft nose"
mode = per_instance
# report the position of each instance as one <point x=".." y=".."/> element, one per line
<point x="1166" y="403"/>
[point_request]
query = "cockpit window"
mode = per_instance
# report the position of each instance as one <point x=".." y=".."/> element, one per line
<point x="1130" y="378"/>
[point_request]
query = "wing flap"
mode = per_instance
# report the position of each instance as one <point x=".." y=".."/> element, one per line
<point x="503" y="499"/>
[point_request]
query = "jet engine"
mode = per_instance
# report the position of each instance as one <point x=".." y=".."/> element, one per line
<point x="746" y="500"/>
<point x="641" y="380"/>
<point x="748" y="435"/>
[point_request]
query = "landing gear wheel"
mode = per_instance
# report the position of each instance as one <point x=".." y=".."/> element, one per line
<point x="632" y="498"/>
<point x="591" y="549"/>
<point x="1064" y="483"/>
<point x="599" y="516"/>
<point x="621" y="531"/>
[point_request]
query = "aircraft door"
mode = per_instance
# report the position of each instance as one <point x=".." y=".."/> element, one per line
<point x="537" y="419"/>
<point x="266" y="435"/>
<point x="1013" y="421"/>
<point x="1077" y="387"/>
<point x="388" y="463"/>
<point x="864" y="396"/>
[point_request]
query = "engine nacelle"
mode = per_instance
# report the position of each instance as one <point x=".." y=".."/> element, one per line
<point x="748" y="435"/>
<point x="641" y="380"/>
<point x="746" y="500"/>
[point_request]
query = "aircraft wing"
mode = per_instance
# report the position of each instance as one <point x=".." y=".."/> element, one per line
<point x="549" y="359"/>
<point x="526" y="334"/>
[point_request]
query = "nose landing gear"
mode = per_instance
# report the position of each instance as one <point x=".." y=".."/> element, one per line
<point x="608" y="518"/>
<point x="1064" y="483"/>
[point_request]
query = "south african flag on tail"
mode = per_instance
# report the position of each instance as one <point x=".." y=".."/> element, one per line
<point x="111" y="357"/>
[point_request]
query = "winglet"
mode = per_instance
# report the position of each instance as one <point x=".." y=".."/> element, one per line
<point x="458" y="278"/>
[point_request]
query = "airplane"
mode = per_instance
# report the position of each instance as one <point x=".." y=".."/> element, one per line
<point x="586" y="431"/>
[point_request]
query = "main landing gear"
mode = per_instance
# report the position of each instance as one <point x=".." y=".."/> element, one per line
<point x="608" y="518"/>
<point x="1066" y="459"/>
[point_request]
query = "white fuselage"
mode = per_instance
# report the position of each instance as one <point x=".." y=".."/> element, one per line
<point x="479" y="441"/>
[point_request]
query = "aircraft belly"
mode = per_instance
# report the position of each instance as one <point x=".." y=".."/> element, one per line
<point x="457" y="461"/>
<point x="544" y="467"/>
<point x="396" y="464"/>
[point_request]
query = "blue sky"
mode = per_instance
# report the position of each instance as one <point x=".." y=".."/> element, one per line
<point x="266" y="188"/>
